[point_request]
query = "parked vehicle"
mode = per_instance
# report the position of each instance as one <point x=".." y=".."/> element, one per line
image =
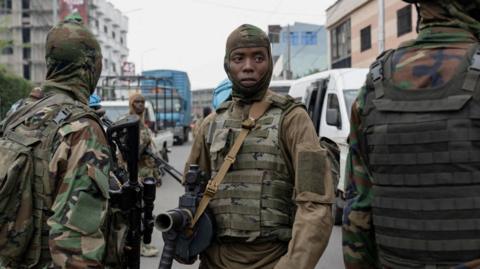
<point x="174" y="108"/>
<point x="281" y="86"/>
<point x="163" y="139"/>
<point x="328" y="96"/>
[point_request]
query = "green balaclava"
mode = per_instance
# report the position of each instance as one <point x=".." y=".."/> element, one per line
<point x="248" y="36"/>
<point x="463" y="14"/>
<point x="74" y="59"/>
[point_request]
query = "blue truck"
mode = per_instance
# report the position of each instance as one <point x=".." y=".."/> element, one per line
<point x="170" y="94"/>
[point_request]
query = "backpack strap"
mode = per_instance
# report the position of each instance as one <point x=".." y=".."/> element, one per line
<point x="256" y="111"/>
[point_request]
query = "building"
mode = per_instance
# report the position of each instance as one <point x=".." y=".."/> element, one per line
<point x="26" y="24"/>
<point x="359" y="30"/>
<point x="298" y="49"/>
<point x="201" y="98"/>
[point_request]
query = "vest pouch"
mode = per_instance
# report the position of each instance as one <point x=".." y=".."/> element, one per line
<point x="16" y="203"/>
<point x="218" y="149"/>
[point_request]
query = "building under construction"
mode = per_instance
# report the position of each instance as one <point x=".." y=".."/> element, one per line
<point x="24" y="25"/>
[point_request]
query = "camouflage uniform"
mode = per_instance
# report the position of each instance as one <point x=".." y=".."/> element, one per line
<point x="146" y="164"/>
<point x="273" y="208"/>
<point x="446" y="39"/>
<point x="79" y="160"/>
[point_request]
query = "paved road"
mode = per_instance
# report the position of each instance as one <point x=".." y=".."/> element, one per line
<point x="167" y="198"/>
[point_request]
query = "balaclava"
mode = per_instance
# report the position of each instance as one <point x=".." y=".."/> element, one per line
<point x="131" y="99"/>
<point x="74" y="59"/>
<point x="248" y="36"/>
<point x="464" y="14"/>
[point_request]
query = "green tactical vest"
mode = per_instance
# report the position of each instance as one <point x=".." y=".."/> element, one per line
<point x="423" y="151"/>
<point x="35" y="253"/>
<point x="254" y="201"/>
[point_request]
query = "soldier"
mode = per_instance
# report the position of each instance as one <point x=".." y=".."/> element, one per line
<point x="414" y="160"/>
<point x="146" y="164"/>
<point x="205" y="112"/>
<point x="273" y="207"/>
<point x="70" y="182"/>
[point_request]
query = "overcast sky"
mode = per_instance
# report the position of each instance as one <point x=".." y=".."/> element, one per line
<point x="190" y="35"/>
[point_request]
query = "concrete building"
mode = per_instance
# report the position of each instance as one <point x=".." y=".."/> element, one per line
<point x="200" y="99"/>
<point x="357" y="35"/>
<point x="298" y="49"/>
<point x="26" y="24"/>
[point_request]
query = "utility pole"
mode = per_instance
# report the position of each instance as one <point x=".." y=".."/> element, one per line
<point x="287" y="73"/>
<point x="381" y="26"/>
<point x="54" y="11"/>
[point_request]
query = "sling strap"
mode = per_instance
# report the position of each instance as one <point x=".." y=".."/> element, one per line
<point x="256" y="111"/>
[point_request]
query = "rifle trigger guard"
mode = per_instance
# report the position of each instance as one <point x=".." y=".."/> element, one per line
<point x="211" y="189"/>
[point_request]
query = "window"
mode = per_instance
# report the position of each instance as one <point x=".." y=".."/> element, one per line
<point x="404" y="20"/>
<point x="365" y="38"/>
<point x="6" y="6"/>
<point x="105" y="64"/>
<point x="309" y="38"/>
<point x="26" y="53"/>
<point x="340" y="38"/>
<point x="105" y="29"/>
<point x="8" y="48"/>
<point x="26" y="71"/>
<point x="26" y="35"/>
<point x="114" y="68"/>
<point x="121" y="40"/>
<point x="113" y="34"/>
<point x="97" y="24"/>
<point x="25" y="8"/>
<point x="25" y="4"/>
<point x="293" y="38"/>
<point x="332" y="103"/>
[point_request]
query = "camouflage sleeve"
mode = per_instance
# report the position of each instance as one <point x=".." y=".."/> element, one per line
<point x="146" y="164"/>
<point x="359" y="249"/>
<point x="79" y="166"/>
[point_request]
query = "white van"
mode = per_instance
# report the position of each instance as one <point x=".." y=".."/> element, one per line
<point x="328" y="96"/>
<point x="117" y="109"/>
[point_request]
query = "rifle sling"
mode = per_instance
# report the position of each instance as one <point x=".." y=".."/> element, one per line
<point x="256" y="111"/>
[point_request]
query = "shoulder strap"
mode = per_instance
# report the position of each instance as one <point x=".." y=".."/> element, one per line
<point x="473" y="73"/>
<point x="377" y="72"/>
<point x="256" y="111"/>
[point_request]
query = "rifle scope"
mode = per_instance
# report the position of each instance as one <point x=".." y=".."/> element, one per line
<point x="177" y="219"/>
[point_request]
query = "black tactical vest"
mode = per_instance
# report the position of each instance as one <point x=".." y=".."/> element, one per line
<point x="423" y="150"/>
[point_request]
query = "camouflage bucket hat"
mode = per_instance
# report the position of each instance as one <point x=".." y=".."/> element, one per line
<point x="248" y="36"/>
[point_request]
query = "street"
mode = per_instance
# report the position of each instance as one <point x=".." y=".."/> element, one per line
<point x="167" y="198"/>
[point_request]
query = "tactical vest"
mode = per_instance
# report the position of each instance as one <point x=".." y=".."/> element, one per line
<point x="423" y="151"/>
<point x="41" y="141"/>
<point x="254" y="201"/>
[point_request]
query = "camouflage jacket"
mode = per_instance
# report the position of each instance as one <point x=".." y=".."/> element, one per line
<point x="427" y="62"/>
<point x="79" y="165"/>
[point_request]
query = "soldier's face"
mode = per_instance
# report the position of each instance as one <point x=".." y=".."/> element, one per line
<point x="139" y="106"/>
<point x="248" y="65"/>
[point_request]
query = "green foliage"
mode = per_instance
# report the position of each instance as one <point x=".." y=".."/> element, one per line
<point x="12" y="88"/>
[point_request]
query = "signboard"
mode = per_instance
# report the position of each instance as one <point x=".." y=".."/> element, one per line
<point x="67" y="7"/>
<point x="128" y="69"/>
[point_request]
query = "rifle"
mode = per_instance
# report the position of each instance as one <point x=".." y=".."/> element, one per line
<point x="164" y="166"/>
<point x="124" y="135"/>
<point x="182" y="241"/>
